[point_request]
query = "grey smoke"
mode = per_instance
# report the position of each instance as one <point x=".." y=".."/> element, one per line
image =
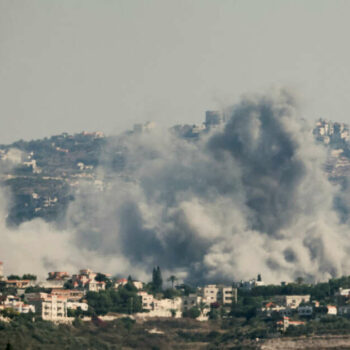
<point x="246" y="198"/>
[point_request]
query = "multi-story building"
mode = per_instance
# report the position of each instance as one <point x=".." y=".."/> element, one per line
<point x="223" y="295"/>
<point x="191" y="300"/>
<point x="147" y="300"/>
<point x="162" y="307"/>
<point x="49" y="307"/>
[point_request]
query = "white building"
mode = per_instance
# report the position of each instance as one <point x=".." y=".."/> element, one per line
<point x="138" y="284"/>
<point x="343" y="292"/>
<point x="95" y="286"/>
<point x="74" y="305"/>
<point x="49" y="307"/>
<point x="223" y="295"/>
<point x="271" y="307"/>
<point x="147" y="300"/>
<point x="14" y="303"/>
<point x="162" y="307"/>
<point x="331" y="310"/>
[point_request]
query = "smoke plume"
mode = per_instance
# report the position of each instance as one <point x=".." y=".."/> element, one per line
<point x="247" y="197"/>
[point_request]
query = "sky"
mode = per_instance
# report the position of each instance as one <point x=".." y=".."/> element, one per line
<point x="73" y="65"/>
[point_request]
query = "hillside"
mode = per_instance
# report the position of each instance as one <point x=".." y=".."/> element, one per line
<point x="41" y="175"/>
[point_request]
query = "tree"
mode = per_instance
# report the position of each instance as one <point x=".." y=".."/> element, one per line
<point x="100" y="277"/>
<point x="157" y="279"/>
<point x="28" y="276"/>
<point x="172" y="279"/>
<point x="194" y="312"/>
<point x="13" y="277"/>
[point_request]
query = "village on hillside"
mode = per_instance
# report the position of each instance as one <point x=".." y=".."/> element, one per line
<point x="87" y="295"/>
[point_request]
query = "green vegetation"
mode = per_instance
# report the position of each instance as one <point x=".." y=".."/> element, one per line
<point x="125" y="333"/>
<point x="193" y="312"/>
<point x="13" y="277"/>
<point x="26" y="276"/>
<point x="157" y="280"/>
<point x="123" y="300"/>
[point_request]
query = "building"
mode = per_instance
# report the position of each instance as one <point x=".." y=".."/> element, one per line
<point x="55" y="283"/>
<point x="250" y="284"/>
<point x="58" y="275"/>
<point x="72" y="295"/>
<point x="223" y="295"/>
<point x="49" y="307"/>
<point x="293" y="301"/>
<point x="86" y="280"/>
<point x="271" y="307"/>
<point x="162" y="307"/>
<point x="331" y="310"/>
<point x="120" y="282"/>
<point x="74" y="305"/>
<point x="147" y="300"/>
<point x="1" y="270"/>
<point x="286" y="322"/>
<point x="138" y="285"/>
<point x="19" y="283"/>
<point x="14" y="303"/>
<point x="343" y="292"/>
<point x="96" y="286"/>
<point x="191" y="300"/>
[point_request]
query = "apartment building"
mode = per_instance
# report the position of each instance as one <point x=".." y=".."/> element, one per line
<point x="223" y="295"/>
<point x="49" y="307"/>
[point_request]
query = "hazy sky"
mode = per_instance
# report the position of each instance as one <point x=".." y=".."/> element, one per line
<point x="73" y="65"/>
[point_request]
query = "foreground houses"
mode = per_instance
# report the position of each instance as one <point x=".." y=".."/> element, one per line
<point x="89" y="293"/>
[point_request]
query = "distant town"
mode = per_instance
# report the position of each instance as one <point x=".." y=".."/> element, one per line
<point x="90" y="296"/>
<point x="42" y="175"/>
